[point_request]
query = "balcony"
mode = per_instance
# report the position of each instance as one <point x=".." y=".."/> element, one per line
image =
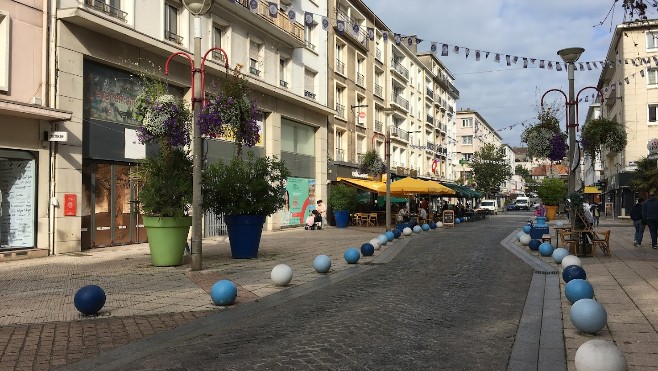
<point x="430" y="119"/>
<point x="379" y="126"/>
<point x="340" y="67"/>
<point x="361" y="37"/>
<point x="396" y="132"/>
<point x="379" y="91"/>
<point x="254" y="71"/>
<point x="400" y="69"/>
<point x="286" y="28"/>
<point x="360" y="79"/>
<point x="429" y="93"/>
<point x="340" y="155"/>
<point x="310" y="45"/>
<point x="283" y="84"/>
<point x="340" y="110"/>
<point x="397" y="99"/>
<point x="171" y="36"/>
<point x="309" y="94"/>
<point x="108" y="9"/>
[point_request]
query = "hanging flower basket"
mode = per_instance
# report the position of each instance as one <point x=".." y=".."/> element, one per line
<point x="602" y="133"/>
<point x="545" y="139"/>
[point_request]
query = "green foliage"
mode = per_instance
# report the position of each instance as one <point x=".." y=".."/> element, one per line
<point x="603" y="133"/>
<point x="645" y="179"/>
<point x="251" y="186"/>
<point x="165" y="183"/>
<point x="343" y="197"/>
<point x="372" y="163"/>
<point x="539" y="135"/>
<point x="552" y="191"/>
<point x="490" y="168"/>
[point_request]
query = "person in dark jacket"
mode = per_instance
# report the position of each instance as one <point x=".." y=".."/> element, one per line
<point x="638" y="223"/>
<point x="650" y="217"/>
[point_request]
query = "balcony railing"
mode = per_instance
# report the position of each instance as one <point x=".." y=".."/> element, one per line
<point x="219" y="56"/>
<point x="283" y="83"/>
<point x="310" y="45"/>
<point x="360" y="79"/>
<point x="379" y="126"/>
<point x="379" y="91"/>
<point x="399" y="68"/>
<point x="340" y="154"/>
<point x="309" y="94"/>
<point x="169" y="35"/>
<point x="400" y="101"/>
<point x="106" y="8"/>
<point x="429" y="93"/>
<point x="399" y="133"/>
<point x="254" y="71"/>
<point x="340" y="110"/>
<point x="282" y="21"/>
<point x="340" y="67"/>
<point x="361" y="37"/>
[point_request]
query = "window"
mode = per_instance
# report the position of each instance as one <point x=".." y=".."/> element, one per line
<point x="652" y="113"/>
<point x="297" y="138"/>
<point x="309" y="84"/>
<point x="340" y="152"/>
<point x="652" y="39"/>
<point x="171" y="24"/>
<point x="109" y="7"/>
<point x="218" y="34"/>
<point x="467" y="139"/>
<point x="652" y="76"/>
<point x="309" y="36"/>
<point x="360" y="78"/>
<point x="467" y="123"/>
<point x="4" y="50"/>
<point x="340" y="101"/>
<point x="340" y="65"/>
<point x="467" y="156"/>
<point x="254" y="58"/>
<point x="361" y="107"/>
<point x="283" y="72"/>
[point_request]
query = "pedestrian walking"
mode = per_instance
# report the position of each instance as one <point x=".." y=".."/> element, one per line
<point x="650" y="217"/>
<point x="596" y="213"/>
<point x="638" y="222"/>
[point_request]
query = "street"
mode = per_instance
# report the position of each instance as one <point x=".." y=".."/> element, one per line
<point x="451" y="300"/>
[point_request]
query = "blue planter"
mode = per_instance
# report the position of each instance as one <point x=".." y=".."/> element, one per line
<point x="342" y="217"/>
<point x="244" y="233"/>
<point x="541" y="221"/>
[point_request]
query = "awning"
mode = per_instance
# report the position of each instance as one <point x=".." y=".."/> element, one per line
<point x="366" y="184"/>
<point x="412" y="185"/>
<point x="462" y="191"/>
<point x="590" y="190"/>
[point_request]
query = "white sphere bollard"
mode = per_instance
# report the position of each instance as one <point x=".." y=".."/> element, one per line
<point x="439" y="224"/>
<point x="525" y="239"/>
<point x="600" y="355"/>
<point x="375" y="242"/>
<point x="417" y="229"/>
<point x="571" y="260"/>
<point x="406" y="231"/>
<point x="281" y="275"/>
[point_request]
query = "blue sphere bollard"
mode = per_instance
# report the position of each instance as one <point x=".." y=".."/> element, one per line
<point x="397" y="233"/>
<point x="352" y="255"/>
<point x="432" y="225"/>
<point x="389" y="235"/>
<point x="546" y="249"/>
<point x="534" y="244"/>
<point x="426" y="227"/>
<point x="383" y="240"/>
<point x="367" y="249"/>
<point x="527" y="229"/>
<point x="573" y="272"/>
<point x="559" y="254"/>
<point x="322" y="263"/>
<point x="457" y="220"/>
<point x="417" y="229"/>
<point x="578" y="289"/>
<point x="223" y="292"/>
<point x="518" y="235"/>
<point x="89" y="299"/>
<point x="588" y="316"/>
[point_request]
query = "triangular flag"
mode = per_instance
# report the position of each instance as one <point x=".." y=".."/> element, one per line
<point x="588" y="66"/>
<point x="582" y="66"/>
<point x="274" y="9"/>
<point x="655" y="60"/>
<point x="444" y="50"/>
<point x="433" y="48"/>
<point x="253" y="6"/>
<point x="627" y="81"/>
<point x="325" y="23"/>
<point x="477" y="55"/>
<point x="642" y="73"/>
<point x="340" y="25"/>
<point x="467" y="51"/>
<point x="456" y="49"/>
<point x="533" y="60"/>
<point x="633" y="62"/>
<point x="308" y="18"/>
<point x="486" y="55"/>
<point x="371" y="33"/>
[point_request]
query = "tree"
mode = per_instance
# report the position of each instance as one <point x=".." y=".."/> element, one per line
<point x="522" y="172"/>
<point x="490" y="168"/>
<point x="645" y="179"/>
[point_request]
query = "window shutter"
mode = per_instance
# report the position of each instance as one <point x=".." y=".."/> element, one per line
<point x="308" y="80"/>
<point x="254" y="50"/>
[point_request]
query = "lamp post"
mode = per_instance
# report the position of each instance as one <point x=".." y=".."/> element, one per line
<point x="197" y="8"/>
<point x="387" y="154"/>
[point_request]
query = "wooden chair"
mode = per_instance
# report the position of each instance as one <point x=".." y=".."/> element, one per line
<point x="568" y="240"/>
<point x="370" y="219"/>
<point x="602" y="241"/>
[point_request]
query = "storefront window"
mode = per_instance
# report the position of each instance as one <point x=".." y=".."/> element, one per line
<point x="17" y="199"/>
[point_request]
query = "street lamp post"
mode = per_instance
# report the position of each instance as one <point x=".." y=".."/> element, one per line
<point x="387" y="154"/>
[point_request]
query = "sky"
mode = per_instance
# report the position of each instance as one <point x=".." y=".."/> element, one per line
<point x="508" y="96"/>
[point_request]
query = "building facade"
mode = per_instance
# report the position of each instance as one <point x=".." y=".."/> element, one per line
<point x="472" y="133"/>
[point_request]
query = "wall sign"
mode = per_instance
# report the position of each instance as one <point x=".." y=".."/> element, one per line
<point x="70" y="204"/>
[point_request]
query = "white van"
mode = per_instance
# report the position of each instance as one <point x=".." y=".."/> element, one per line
<point x="490" y="205"/>
<point x="522" y="203"/>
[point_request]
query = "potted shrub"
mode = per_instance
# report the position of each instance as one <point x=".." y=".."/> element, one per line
<point x="246" y="191"/>
<point x="166" y="177"/>
<point x="342" y="200"/>
<point x="372" y="164"/>
<point x="552" y="191"/>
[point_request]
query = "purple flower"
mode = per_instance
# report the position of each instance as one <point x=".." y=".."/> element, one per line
<point x="558" y="147"/>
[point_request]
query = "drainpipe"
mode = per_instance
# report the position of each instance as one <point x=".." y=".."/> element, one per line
<point x="49" y="94"/>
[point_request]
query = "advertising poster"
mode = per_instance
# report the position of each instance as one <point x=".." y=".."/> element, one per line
<point x="300" y="200"/>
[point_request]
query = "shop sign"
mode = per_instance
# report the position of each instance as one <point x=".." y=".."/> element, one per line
<point x="652" y="146"/>
<point x="58" y="136"/>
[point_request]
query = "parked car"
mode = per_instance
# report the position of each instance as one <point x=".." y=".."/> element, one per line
<point x="511" y="206"/>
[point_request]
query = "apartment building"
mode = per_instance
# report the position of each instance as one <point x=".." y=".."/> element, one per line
<point x="99" y="48"/>
<point x="27" y="122"/>
<point x="629" y="83"/>
<point x="473" y="132"/>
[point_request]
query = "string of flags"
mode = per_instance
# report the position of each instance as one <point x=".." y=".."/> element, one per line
<point x="443" y="49"/>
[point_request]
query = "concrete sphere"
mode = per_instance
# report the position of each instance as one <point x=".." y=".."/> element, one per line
<point x="281" y="275"/>
<point x="375" y="242"/>
<point x="578" y="289"/>
<point x="352" y="255"/>
<point x="518" y="235"/>
<point x="383" y="240"/>
<point x="588" y="315"/>
<point x="425" y="227"/>
<point x="525" y="239"/>
<point x="559" y="254"/>
<point x="389" y="235"/>
<point x="397" y="233"/>
<point x="527" y="229"/>
<point x="417" y="229"/>
<point x="432" y="225"/>
<point x="457" y="220"/>
<point x="367" y="249"/>
<point x="571" y="260"/>
<point x="406" y="231"/>
<point x="322" y="263"/>
<point x="546" y="249"/>
<point x="89" y="299"/>
<point x="223" y="292"/>
<point x="534" y="244"/>
<point x="600" y="355"/>
<point x="573" y="272"/>
<point x="439" y="224"/>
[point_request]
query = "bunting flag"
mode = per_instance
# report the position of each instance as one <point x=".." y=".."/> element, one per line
<point x="467" y="51"/>
<point x="627" y="81"/>
<point x="355" y="29"/>
<point x="410" y="40"/>
<point x="433" y="48"/>
<point x="308" y="18"/>
<point x="325" y="23"/>
<point x="444" y="50"/>
<point x="456" y="49"/>
<point x="515" y="59"/>
<point x="497" y="58"/>
<point x="340" y="25"/>
<point x="274" y="9"/>
<point x="371" y="33"/>
<point x="253" y="6"/>
<point x="486" y="55"/>
<point x="291" y="14"/>
<point x="397" y="38"/>
<point x="589" y="68"/>
<point x="642" y="73"/>
<point x="550" y="65"/>
<point x="533" y="60"/>
<point x="541" y="64"/>
<point x="385" y="36"/>
<point x="525" y="62"/>
<point x="477" y="55"/>
<point x="558" y="66"/>
<point x="507" y="60"/>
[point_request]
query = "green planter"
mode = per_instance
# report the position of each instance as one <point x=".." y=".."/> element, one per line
<point x="167" y="238"/>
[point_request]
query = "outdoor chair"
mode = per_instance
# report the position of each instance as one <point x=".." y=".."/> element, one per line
<point x="568" y="240"/>
<point x="371" y="220"/>
<point x="602" y="241"/>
